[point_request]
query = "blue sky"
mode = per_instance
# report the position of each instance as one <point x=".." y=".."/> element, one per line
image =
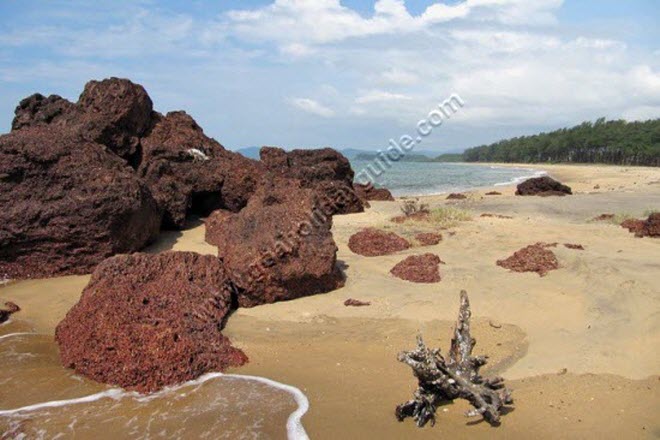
<point x="307" y="73"/>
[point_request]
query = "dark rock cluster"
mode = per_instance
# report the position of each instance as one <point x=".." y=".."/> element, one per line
<point x="456" y="196"/>
<point x="81" y="182"/>
<point x="542" y="186"/>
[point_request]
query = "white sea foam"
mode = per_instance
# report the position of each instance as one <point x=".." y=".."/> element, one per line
<point x="294" y="427"/>
<point x="520" y="179"/>
<point x="11" y="335"/>
<point x="114" y="393"/>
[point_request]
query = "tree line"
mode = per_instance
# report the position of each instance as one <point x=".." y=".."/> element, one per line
<point x="615" y="142"/>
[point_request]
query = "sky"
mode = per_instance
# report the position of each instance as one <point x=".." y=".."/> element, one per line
<point x="349" y="73"/>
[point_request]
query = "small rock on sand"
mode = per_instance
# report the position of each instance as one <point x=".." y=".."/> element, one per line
<point x="534" y="258"/>
<point x="373" y="242"/>
<point x="418" y="269"/>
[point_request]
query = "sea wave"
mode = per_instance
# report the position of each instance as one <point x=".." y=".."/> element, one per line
<point x="295" y="429"/>
<point x="520" y="179"/>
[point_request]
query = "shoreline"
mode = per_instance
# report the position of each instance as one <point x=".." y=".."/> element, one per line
<point x="564" y="341"/>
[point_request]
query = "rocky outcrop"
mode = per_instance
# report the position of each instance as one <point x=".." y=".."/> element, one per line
<point x="542" y="186"/>
<point x="369" y="192"/>
<point x="188" y="172"/>
<point x="418" y="269"/>
<point x="148" y="321"/>
<point x="10" y="310"/>
<point x="114" y="112"/>
<point x="279" y="246"/>
<point x="67" y="204"/>
<point x="644" y="228"/>
<point x="534" y="258"/>
<point x="325" y="170"/>
<point x="373" y="242"/>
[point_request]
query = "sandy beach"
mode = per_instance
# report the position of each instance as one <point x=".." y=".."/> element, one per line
<point x="579" y="346"/>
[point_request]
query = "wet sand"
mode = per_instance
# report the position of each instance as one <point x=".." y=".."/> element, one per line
<point x="578" y="346"/>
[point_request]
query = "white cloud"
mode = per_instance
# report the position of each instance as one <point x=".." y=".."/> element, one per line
<point x="399" y="77"/>
<point x="313" y="107"/>
<point x="512" y="61"/>
<point x="380" y="96"/>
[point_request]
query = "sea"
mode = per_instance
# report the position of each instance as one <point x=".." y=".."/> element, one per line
<point x="429" y="178"/>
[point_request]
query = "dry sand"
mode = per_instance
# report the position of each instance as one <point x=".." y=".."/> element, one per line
<point x="578" y="346"/>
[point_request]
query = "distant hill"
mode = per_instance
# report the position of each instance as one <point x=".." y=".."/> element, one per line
<point x="611" y="142"/>
<point x="410" y="157"/>
<point x="449" y="157"/>
<point x="251" y="152"/>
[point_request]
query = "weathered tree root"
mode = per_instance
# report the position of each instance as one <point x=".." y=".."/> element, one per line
<point x="458" y="377"/>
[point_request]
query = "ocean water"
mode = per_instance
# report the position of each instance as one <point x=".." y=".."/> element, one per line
<point x="42" y="400"/>
<point x="422" y="178"/>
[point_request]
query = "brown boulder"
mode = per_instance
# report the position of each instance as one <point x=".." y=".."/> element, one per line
<point x="372" y="242"/>
<point x="148" y="321"/>
<point x="325" y="170"/>
<point x="279" y="246"/>
<point x="369" y="192"/>
<point x="67" y="204"/>
<point x="418" y="269"/>
<point x="189" y="172"/>
<point x="542" y="186"/>
<point x="534" y="258"/>
<point x="114" y="112"/>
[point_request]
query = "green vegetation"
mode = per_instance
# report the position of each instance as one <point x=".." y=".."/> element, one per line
<point x="611" y="142"/>
<point x="448" y="216"/>
<point x="449" y="157"/>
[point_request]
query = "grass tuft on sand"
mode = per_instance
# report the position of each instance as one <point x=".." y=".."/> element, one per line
<point x="449" y="216"/>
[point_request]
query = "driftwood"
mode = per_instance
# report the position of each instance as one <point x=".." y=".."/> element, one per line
<point x="441" y="380"/>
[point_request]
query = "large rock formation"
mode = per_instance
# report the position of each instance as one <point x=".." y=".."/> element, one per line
<point x="279" y="246"/>
<point x="67" y="204"/>
<point x="186" y="171"/>
<point x="542" y="186"/>
<point x="113" y="112"/>
<point x="325" y="170"/>
<point x="373" y="242"/>
<point x="148" y="321"/>
<point x="190" y="172"/>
